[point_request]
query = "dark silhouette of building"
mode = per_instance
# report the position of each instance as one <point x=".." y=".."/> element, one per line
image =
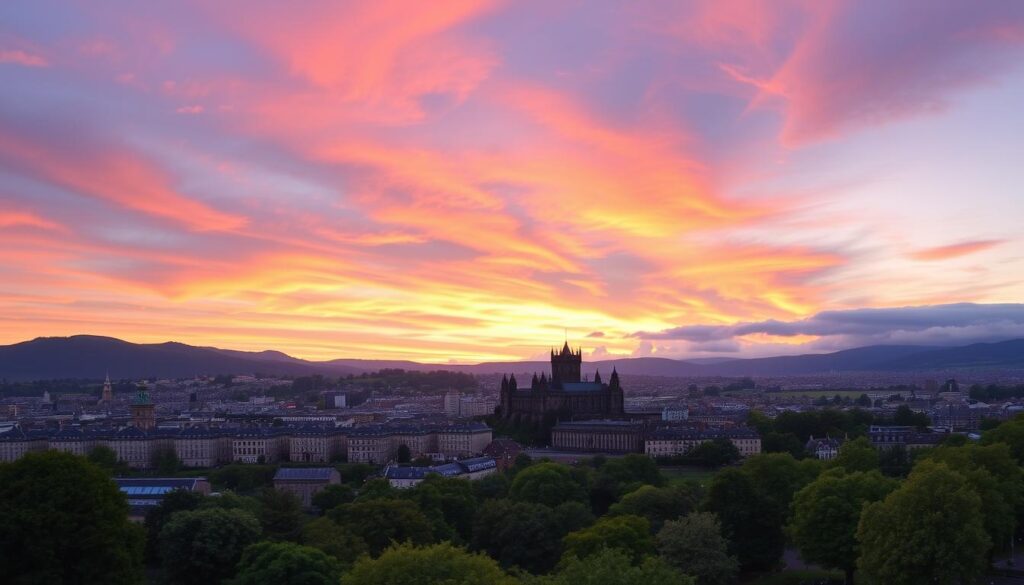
<point x="563" y="396"/>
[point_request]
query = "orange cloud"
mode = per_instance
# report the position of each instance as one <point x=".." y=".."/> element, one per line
<point x="119" y="176"/>
<point x="951" y="251"/>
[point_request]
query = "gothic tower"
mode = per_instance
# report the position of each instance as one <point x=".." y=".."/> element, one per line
<point x="566" y="366"/>
<point x="108" y="391"/>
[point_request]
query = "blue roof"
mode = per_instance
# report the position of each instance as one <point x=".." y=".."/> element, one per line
<point x="304" y="473"/>
<point x="582" y="386"/>
<point x="478" y="464"/>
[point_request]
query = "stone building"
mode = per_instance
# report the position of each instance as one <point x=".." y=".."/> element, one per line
<point x="305" y="482"/>
<point x="563" y="396"/>
<point x="667" y="442"/>
<point x="605" y="436"/>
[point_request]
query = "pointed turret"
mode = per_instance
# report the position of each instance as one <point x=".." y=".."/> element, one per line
<point x="597" y="376"/>
<point x="512" y="386"/>
<point x="613" y="382"/>
<point x="504" y="383"/>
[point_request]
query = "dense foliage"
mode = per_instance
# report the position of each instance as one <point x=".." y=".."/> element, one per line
<point x="933" y="515"/>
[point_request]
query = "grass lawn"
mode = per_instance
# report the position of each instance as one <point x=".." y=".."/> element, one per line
<point x="680" y="474"/>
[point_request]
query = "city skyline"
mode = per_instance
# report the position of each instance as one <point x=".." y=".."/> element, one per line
<point x="466" y="181"/>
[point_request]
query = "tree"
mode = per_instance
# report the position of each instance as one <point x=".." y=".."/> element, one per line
<point x="546" y="483"/>
<point x="782" y="443"/>
<point x="518" y="534"/>
<point x="62" y="520"/>
<point x="1010" y="433"/>
<point x="334" y="540"/>
<point x="777" y="476"/>
<point x="751" y="522"/>
<point x="928" y="531"/>
<point x="615" y="567"/>
<point x="857" y="455"/>
<point x="285" y="563"/>
<point x="908" y="418"/>
<point x="995" y="476"/>
<point x="106" y="458"/>
<point x="826" y="514"/>
<point x="165" y="461"/>
<point x="333" y="496"/>
<point x="714" y="453"/>
<point x="405" y="564"/>
<point x="203" y="546"/>
<point x="280" y="515"/>
<point x="448" y="502"/>
<point x="402" y="454"/>
<point x="572" y="516"/>
<point x="158" y="516"/>
<point x="658" y="505"/>
<point x="894" y="461"/>
<point x="630" y="534"/>
<point x="695" y="546"/>
<point x="491" y="487"/>
<point x="381" y="521"/>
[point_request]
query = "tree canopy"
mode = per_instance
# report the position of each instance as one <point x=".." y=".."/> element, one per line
<point x="929" y="530"/>
<point x="381" y="521"/>
<point x="615" y="567"/>
<point x="518" y="534"/>
<point x="826" y="514"/>
<point x="406" y="564"/>
<point x="285" y="563"/>
<point x="203" y="546"/>
<point x="62" y="520"/>
<point x="546" y="483"/>
<point x="630" y="534"/>
<point x="695" y="546"/>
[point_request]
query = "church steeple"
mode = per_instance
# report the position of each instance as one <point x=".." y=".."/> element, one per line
<point x="597" y="376"/>
<point x="613" y="382"/>
<point x="108" y="390"/>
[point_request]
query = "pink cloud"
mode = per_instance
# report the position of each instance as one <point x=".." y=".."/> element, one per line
<point x="25" y="59"/>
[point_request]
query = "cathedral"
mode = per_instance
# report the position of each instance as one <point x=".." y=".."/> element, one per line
<point x="564" y="395"/>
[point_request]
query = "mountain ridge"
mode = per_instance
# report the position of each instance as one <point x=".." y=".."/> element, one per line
<point x="91" y="357"/>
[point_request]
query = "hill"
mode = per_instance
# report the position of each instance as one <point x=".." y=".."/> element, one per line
<point x="91" y="357"/>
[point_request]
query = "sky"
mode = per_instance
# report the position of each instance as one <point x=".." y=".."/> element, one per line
<point x="479" y="180"/>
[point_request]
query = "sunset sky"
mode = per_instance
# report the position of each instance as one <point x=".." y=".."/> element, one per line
<point x="471" y="181"/>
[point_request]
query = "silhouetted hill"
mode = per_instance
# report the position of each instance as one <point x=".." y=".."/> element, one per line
<point x="1003" y="354"/>
<point x="85" y="356"/>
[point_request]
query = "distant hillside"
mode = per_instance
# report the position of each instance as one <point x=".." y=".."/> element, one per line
<point x="85" y="356"/>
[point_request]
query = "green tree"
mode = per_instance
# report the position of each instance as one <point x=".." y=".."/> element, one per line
<point x="440" y="563"/>
<point x="906" y="417"/>
<point x="572" y="516"/>
<point x="929" y="530"/>
<point x="630" y="534"/>
<point x="165" y="461"/>
<point x="518" y="534"/>
<point x="448" y="502"/>
<point x="714" y="453"/>
<point x="106" y="458"/>
<point x="381" y="521"/>
<point x="695" y="546"/>
<point x="658" y="505"/>
<point x="280" y="515"/>
<point x="491" y="487"/>
<point x="751" y="521"/>
<point x="243" y="478"/>
<point x="546" y="483"/>
<point x="1010" y="433"/>
<point x="894" y="461"/>
<point x="826" y="514"/>
<point x="996" y="477"/>
<point x="377" y="488"/>
<point x="773" y="442"/>
<point x="403" y="454"/>
<point x="158" y="516"/>
<point x="615" y="567"/>
<point x="334" y="540"/>
<point x="203" y="546"/>
<point x="285" y="563"/>
<point x="777" y="476"/>
<point x="333" y="496"/>
<point x="62" y="520"/>
<point x="857" y="455"/>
